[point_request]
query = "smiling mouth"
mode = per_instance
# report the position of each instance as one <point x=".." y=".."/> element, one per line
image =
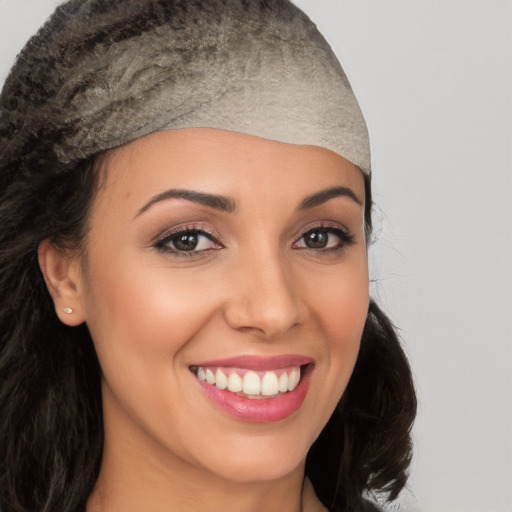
<point x="254" y="388"/>
<point x="250" y="383"/>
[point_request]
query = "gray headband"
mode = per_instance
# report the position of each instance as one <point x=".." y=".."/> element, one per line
<point x="259" y="68"/>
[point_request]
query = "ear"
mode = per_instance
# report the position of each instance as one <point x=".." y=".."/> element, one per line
<point x="63" y="276"/>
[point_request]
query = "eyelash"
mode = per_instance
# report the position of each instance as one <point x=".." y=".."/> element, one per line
<point x="163" y="243"/>
<point x="344" y="236"/>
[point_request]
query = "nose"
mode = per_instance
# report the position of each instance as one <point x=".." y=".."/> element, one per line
<point x="263" y="296"/>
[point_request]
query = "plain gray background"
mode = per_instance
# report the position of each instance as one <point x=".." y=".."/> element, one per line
<point x="434" y="79"/>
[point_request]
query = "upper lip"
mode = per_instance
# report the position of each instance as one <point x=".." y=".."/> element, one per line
<point x="258" y="363"/>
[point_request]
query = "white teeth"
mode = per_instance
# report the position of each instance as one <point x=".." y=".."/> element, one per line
<point x="210" y="377"/>
<point x="251" y="384"/>
<point x="283" y="382"/>
<point x="293" y="379"/>
<point x="270" y="384"/>
<point x="221" y="381"/>
<point x="235" y="383"/>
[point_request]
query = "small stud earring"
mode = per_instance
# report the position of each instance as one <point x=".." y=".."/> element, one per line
<point x="68" y="310"/>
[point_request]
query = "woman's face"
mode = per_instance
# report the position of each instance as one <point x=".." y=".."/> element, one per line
<point x="217" y="259"/>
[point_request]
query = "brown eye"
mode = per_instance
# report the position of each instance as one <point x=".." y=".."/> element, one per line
<point x="316" y="239"/>
<point x="188" y="241"/>
<point x="185" y="242"/>
<point x="324" y="239"/>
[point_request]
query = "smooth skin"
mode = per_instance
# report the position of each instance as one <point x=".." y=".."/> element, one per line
<point x="262" y="272"/>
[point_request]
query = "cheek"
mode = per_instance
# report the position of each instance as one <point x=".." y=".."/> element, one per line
<point x="339" y="299"/>
<point x="139" y="315"/>
<point x="341" y="311"/>
<point x="142" y="320"/>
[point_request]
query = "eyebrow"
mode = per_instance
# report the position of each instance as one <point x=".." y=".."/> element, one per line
<point x="211" y="200"/>
<point x="225" y="204"/>
<point x="325" y="195"/>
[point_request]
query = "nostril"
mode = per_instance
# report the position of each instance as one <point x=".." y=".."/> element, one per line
<point x="269" y="324"/>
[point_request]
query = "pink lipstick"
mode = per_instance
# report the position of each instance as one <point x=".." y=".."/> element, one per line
<point x="254" y="388"/>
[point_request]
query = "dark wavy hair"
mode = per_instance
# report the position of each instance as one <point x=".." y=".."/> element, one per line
<point x="51" y="425"/>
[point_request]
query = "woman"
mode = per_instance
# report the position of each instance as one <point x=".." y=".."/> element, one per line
<point x="186" y="323"/>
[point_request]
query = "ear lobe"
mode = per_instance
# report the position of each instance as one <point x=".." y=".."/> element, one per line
<point x="63" y="278"/>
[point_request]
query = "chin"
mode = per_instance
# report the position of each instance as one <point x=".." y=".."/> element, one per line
<point x="262" y="468"/>
<point x="262" y="456"/>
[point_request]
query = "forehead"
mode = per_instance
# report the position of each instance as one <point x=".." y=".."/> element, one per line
<point x="223" y="161"/>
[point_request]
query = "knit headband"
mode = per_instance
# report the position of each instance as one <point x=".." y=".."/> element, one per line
<point x="108" y="72"/>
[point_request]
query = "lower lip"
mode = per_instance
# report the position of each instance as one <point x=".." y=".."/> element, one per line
<point x="259" y="410"/>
